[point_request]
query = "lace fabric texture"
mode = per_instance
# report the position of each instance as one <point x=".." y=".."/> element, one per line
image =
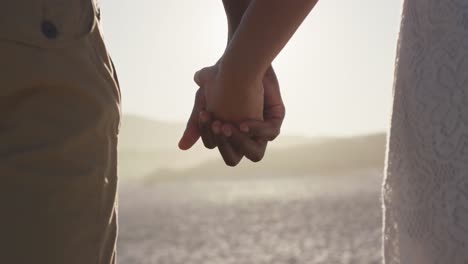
<point x="425" y="192"/>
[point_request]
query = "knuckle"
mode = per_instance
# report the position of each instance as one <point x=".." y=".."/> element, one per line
<point x="257" y="157"/>
<point x="208" y="144"/>
<point x="275" y="134"/>
<point x="277" y="130"/>
<point x="231" y="163"/>
<point x="199" y="93"/>
<point x="197" y="77"/>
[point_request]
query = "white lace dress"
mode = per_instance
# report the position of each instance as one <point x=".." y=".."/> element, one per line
<point x="426" y="183"/>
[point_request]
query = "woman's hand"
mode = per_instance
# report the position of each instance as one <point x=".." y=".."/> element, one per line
<point x="227" y="102"/>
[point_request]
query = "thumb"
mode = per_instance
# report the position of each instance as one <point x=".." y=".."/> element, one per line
<point x="190" y="137"/>
<point x="192" y="132"/>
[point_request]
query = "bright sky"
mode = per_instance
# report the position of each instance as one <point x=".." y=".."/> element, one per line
<point x="336" y="73"/>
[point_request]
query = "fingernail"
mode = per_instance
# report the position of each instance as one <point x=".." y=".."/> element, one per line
<point x="227" y="131"/>
<point x="244" y="128"/>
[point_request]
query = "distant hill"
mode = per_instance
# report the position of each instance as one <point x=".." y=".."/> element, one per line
<point x="147" y="145"/>
<point x="146" y="134"/>
<point x="329" y="156"/>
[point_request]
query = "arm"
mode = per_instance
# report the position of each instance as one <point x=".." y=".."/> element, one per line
<point x="264" y="30"/>
<point x="252" y="148"/>
<point x="235" y="10"/>
<point x="266" y="27"/>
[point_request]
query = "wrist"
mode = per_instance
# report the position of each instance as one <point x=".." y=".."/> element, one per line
<point x="234" y="99"/>
<point x="234" y="106"/>
<point x="235" y="74"/>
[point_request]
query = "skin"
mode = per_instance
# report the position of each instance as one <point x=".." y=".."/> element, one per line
<point x="250" y="138"/>
<point x="242" y="85"/>
<point x="252" y="142"/>
<point x="231" y="142"/>
<point x="264" y="30"/>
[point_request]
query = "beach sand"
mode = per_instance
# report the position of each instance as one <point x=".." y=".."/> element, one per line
<point x="291" y="220"/>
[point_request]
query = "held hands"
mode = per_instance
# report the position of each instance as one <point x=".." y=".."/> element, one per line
<point x="241" y="131"/>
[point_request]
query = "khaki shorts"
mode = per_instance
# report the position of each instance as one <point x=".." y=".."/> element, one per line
<point x="59" y="120"/>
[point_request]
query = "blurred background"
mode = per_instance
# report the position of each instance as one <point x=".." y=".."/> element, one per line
<point x="316" y="196"/>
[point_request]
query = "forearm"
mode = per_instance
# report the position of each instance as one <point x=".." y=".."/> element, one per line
<point x="235" y="10"/>
<point x="264" y="30"/>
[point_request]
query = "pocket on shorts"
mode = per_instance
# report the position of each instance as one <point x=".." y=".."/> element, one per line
<point x="47" y="23"/>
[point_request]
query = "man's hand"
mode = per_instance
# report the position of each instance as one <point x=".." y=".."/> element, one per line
<point x="274" y="111"/>
<point x="192" y="131"/>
